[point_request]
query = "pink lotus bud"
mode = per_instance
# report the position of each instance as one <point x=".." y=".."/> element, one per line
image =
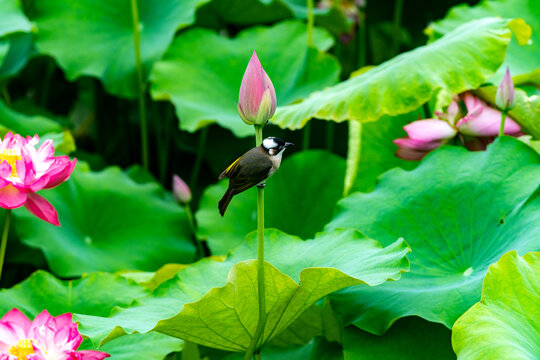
<point x="257" y="98"/>
<point x="181" y="191"/>
<point x="505" y="97"/>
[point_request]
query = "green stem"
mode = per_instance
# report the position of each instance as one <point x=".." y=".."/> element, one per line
<point x="362" y="52"/>
<point x="503" y="119"/>
<point x="198" y="160"/>
<point x="310" y="23"/>
<point x="196" y="242"/>
<point x="257" y="356"/>
<point x="142" y="84"/>
<point x="354" y="155"/>
<point x="398" y="10"/>
<point x="260" y="261"/>
<point x="5" y="94"/>
<point x="190" y="351"/>
<point x="4" y="240"/>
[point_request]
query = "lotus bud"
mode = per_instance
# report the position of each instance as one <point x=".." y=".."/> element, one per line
<point x="181" y="191"/>
<point x="505" y="97"/>
<point x="257" y="98"/>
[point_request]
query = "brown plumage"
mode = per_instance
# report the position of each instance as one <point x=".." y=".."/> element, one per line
<point x="248" y="170"/>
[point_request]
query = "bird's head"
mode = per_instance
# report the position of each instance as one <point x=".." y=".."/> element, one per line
<point x="275" y="146"/>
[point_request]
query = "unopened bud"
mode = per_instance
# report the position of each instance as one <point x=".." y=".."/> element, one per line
<point x="257" y="98"/>
<point x="505" y="97"/>
<point x="181" y="191"/>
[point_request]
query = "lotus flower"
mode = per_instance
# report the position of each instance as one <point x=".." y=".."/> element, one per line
<point x="257" y="98"/>
<point x="25" y="170"/>
<point x="45" y="338"/>
<point x="481" y="122"/>
<point x="181" y="190"/>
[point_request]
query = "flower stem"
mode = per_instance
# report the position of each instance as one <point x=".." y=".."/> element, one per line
<point x="310" y="23"/>
<point x="196" y="242"/>
<point x="503" y="119"/>
<point x="4" y="240"/>
<point x="260" y="261"/>
<point x="398" y="10"/>
<point x="142" y="84"/>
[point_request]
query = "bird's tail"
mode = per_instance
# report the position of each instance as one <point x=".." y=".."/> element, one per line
<point x="225" y="200"/>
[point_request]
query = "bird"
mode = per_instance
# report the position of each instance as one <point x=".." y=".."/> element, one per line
<point x="252" y="168"/>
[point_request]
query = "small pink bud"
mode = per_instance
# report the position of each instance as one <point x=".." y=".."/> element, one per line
<point x="257" y="98"/>
<point x="505" y="97"/>
<point x="181" y="191"/>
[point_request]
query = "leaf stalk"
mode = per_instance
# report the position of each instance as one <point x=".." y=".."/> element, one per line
<point x="4" y="240"/>
<point x="141" y="83"/>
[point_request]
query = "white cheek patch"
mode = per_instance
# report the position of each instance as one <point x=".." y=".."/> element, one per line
<point x="270" y="143"/>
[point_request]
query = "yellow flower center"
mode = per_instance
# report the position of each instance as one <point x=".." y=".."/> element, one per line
<point x="23" y="348"/>
<point x="11" y="156"/>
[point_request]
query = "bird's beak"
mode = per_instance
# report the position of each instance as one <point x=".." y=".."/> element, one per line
<point x="287" y="144"/>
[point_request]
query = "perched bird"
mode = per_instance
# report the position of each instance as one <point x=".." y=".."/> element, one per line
<point x="252" y="168"/>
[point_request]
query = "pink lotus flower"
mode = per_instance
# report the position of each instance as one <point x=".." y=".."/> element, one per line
<point x="482" y="120"/>
<point x="45" y="338"/>
<point x="477" y="129"/>
<point x="25" y="170"/>
<point x="257" y="98"/>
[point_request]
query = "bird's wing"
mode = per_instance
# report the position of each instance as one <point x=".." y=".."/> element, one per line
<point x="230" y="169"/>
<point x="251" y="174"/>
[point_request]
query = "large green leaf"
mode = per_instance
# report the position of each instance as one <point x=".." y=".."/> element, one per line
<point x="19" y="48"/>
<point x="13" y="18"/>
<point x="459" y="211"/>
<point x="26" y="125"/>
<point x="202" y="71"/>
<point x="151" y="346"/>
<point x="505" y="324"/>
<point x="310" y="181"/>
<point x="95" y="294"/>
<point x="520" y="58"/>
<point x="317" y="349"/>
<point x="377" y="151"/>
<point x="459" y="61"/>
<point x="202" y="305"/>
<point x="318" y="321"/>
<point x="110" y="223"/>
<point x="410" y="338"/>
<point x="100" y="39"/>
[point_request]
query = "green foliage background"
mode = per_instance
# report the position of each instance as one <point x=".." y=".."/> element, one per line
<point x="368" y="256"/>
